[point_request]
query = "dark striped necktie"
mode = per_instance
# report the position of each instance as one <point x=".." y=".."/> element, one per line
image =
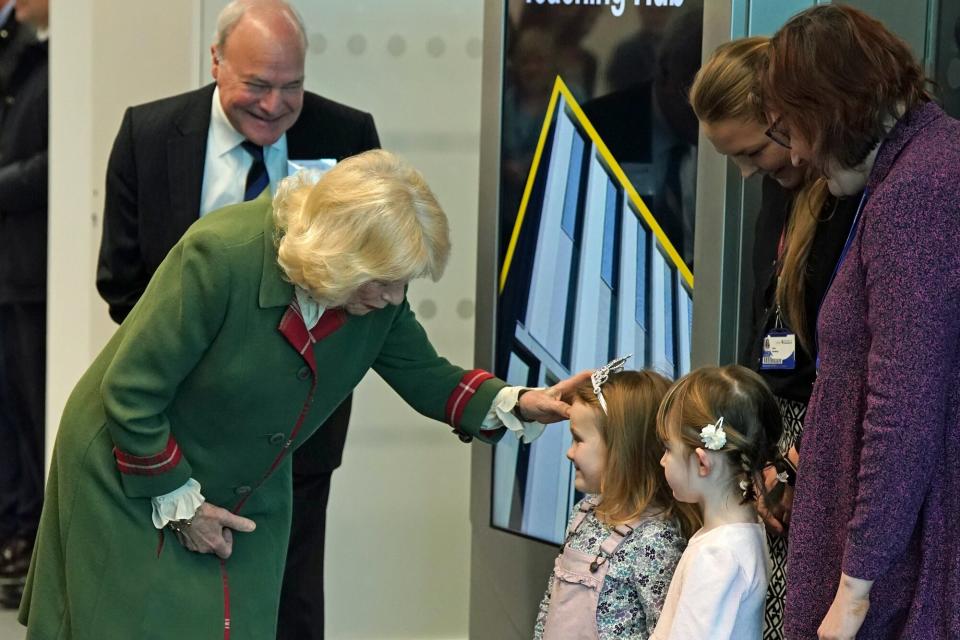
<point x="257" y="177"/>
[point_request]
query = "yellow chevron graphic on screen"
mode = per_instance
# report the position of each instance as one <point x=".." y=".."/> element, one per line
<point x="639" y="206"/>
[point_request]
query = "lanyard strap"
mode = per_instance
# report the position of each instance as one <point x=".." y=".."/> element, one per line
<point x="781" y="246"/>
<point x="843" y="256"/>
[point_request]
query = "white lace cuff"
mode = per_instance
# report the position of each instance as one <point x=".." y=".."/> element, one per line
<point x="501" y="415"/>
<point x="179" y="504"/>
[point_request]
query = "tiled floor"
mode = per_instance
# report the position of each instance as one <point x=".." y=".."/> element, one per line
<point x="10" y="629"/>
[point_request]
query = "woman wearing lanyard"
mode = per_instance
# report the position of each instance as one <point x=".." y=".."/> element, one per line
<point x="873" y="549"/>
<point x="800" y="232"/>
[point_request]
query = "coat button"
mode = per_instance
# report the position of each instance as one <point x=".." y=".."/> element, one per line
<point x="303" y="373"/>
<point x="242" y="490"/>
<point x="4" y="33"/>
<point x="9" y="100"/>
<point x="277" y="438"/>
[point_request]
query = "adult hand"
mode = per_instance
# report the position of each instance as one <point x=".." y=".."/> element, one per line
<point x="211" y="530"/>
<point x="848" y="610"/>
<point x="776" y="516"/>
<point x="543" y="406"/>
<point x="568" y="387"/>
<point x="553" y="403"/>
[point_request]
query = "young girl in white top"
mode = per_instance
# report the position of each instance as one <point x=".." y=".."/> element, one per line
<point x="625" y="537"/>
<point x="720" y="427"/>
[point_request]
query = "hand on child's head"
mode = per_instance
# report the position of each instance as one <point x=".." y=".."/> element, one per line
<point x="567" y="389"/>
<point x="544" y="405"/>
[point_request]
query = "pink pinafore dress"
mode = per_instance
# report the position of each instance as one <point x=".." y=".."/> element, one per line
<point x="578" y="577"/>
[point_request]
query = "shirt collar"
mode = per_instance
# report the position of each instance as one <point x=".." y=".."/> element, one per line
<point x="224" y="138"/>
<point x="5" y="12"/>
<point x="310" y="309"/>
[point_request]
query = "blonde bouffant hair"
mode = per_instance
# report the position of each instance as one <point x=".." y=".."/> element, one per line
<point x="371" y="217"/>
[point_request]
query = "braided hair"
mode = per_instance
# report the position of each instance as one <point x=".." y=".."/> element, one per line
<point x="751" y="423"/>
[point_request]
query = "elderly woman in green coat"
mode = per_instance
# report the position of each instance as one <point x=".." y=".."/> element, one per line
<point x="168" y="502"/>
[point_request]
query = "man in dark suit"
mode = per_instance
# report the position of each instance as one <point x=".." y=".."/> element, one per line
<point x="179" y="158"/>
<point x="23" y="293"/>
<point x="14" y="36"/>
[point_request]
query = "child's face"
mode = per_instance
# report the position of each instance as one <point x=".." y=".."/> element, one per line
<point x="680" y="468"/>
<point x="588" y="452"/>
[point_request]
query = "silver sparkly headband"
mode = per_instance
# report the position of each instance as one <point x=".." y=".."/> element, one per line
<point x="601" y="375"/>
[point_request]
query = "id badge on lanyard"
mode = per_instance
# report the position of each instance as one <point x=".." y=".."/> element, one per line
<point x="779" y="348"/>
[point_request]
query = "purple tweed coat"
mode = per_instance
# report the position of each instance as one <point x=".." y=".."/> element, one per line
<point x="878" y="494"/>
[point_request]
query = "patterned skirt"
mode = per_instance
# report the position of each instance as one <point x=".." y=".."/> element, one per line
<point x="792" y="413"/>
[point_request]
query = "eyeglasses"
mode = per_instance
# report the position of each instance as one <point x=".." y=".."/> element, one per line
<point x="780" y="137"/>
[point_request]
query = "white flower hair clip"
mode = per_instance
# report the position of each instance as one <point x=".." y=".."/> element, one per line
<point x="601" y="375"/>
<point x="783" y="477"/>
<point x="745" y="487"/>
<point x="713" y="436"/>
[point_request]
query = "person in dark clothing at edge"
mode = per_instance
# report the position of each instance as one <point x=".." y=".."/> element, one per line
<point x="23" y="286"/>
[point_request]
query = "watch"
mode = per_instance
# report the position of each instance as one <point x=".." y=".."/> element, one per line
<point x="178" y="526"/>
<point x="516" y="408"/>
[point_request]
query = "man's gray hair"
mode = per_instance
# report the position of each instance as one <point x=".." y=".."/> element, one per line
<point x="231" y="15"/>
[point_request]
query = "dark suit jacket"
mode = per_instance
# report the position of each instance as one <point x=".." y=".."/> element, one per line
<point x="155" y="178"/>
<point x="13" y="38"/>
<point x="154" y="183"/>
<point x="23" y="179"/>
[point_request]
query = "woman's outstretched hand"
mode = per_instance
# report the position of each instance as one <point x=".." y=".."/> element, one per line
<point x="553" y="403"/>
<point x="211" y="530"/>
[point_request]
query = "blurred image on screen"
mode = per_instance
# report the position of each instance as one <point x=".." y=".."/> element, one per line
<point x="598" y="176"/>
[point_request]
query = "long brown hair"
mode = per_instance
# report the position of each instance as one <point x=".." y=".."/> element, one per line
<point x="751" y="418"/>
<point x="805" y="214"/>
<point x="838" y="77"/>
<point x="633" y="481"/>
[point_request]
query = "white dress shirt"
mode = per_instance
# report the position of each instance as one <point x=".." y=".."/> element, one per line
<point x="226" y="164"/>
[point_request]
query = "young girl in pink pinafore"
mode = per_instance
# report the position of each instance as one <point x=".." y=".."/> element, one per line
<point x="625" y="538"/>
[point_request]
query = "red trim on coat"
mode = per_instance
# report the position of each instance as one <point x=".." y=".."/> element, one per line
<point x="295" y="330"/>
<point x="462" y="393"/>
<point x="226" y="599"/>
<point x="284" y="450"/>
<point x="152" y="465"/>
<point x="330" y="321"/>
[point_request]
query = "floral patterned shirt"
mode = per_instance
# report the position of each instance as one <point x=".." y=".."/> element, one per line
<point x="633" y="591"/>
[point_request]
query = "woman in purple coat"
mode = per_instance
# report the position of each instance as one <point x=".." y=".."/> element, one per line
<point x="874" y="547"/>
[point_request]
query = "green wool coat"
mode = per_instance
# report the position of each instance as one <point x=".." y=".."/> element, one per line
<point x="213" y="376"/>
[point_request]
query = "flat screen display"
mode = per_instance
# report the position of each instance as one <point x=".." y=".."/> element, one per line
<point x="597" y="191"/>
